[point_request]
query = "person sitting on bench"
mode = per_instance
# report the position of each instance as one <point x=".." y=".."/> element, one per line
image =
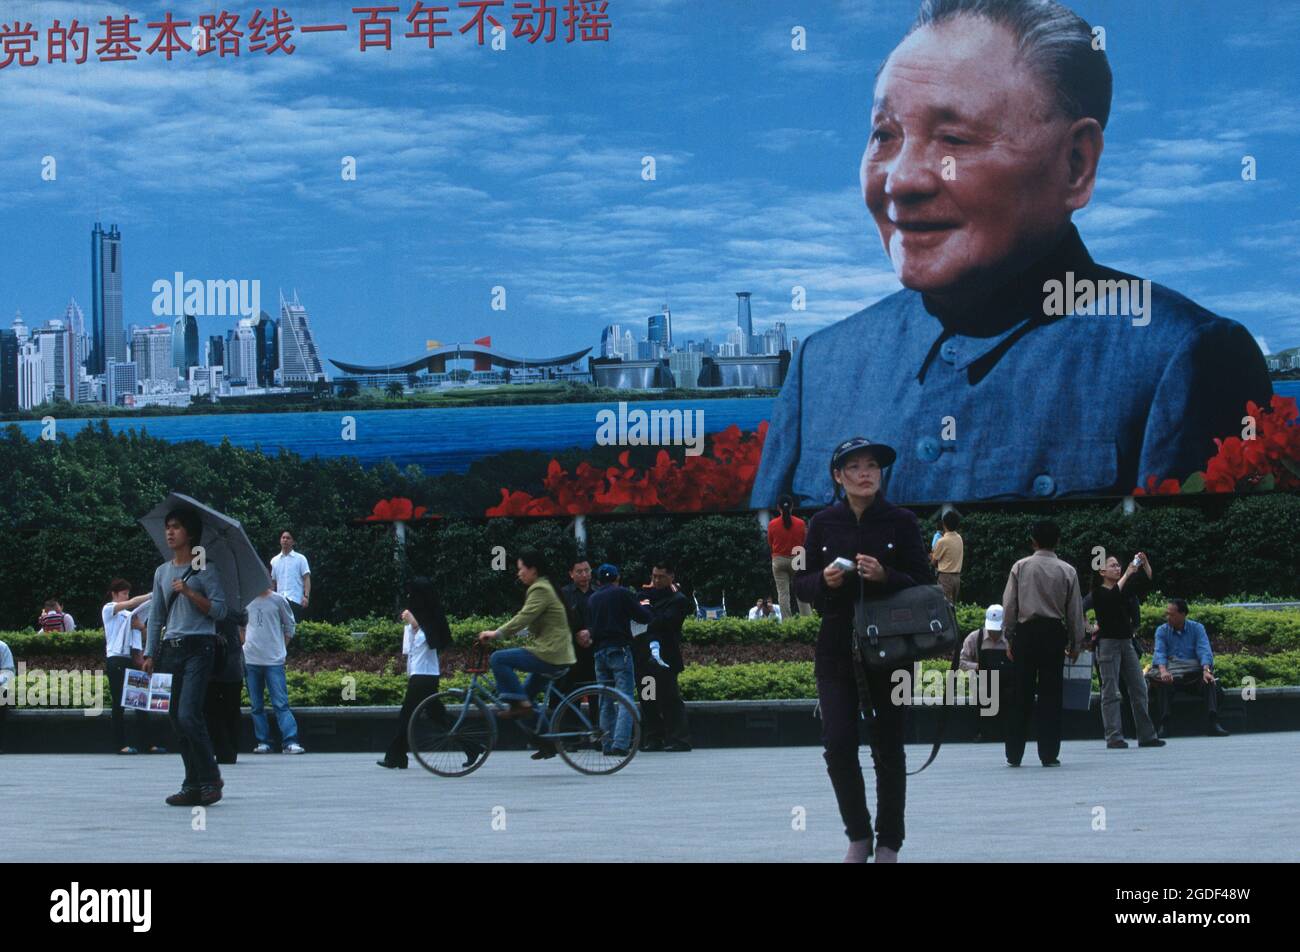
<point x="1183" y="659"/>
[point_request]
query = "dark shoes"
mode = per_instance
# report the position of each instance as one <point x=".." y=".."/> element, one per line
<point x="1057" y="763"/>
<point x="393" y="764"/>
<point x="203" y="796"/>
<point x="653" y="746"/>
<point x="1216" y="730"/>
<point x="616" y="752"/>
<point x="1013" y="763"/>
<point x="1117" y="744"/>
<point x="677" y="748"/>
<point x="1154" y="742"/>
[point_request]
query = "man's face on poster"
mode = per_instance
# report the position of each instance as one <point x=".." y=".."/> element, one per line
<point x="968" y="167"/>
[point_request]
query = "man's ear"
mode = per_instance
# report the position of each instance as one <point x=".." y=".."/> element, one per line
<point x="1085" y="142"/>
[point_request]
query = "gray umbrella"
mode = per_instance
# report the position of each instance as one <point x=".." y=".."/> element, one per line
<point x="243" y="574"/>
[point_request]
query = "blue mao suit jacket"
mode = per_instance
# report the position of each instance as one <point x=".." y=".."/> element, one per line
<point x="1048" y="407"/>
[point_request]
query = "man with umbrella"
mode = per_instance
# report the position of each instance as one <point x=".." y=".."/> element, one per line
<point x="190" y="596"/>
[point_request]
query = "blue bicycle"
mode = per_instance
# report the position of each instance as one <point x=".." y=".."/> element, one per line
<point x="452" y="732"/>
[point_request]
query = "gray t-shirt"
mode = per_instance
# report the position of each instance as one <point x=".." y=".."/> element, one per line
<point x="184" y="619"/>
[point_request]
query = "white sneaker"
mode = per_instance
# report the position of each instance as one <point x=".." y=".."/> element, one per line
<point x="262" y="749"/>
<point x="293" y="749"/>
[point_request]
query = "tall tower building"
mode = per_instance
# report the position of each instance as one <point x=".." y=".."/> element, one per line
<point x="628" y="348"/>
<point x="744" y="320"/>
<point x="299" y="362"/>
<point x="106" y="340"/>
<point x="216" y="355"/>
<point x="8" y="370"/>
<point x="659" y="330"/>
<point x="268" y="349"/>
<point x="185" y="344"/>
<point x="151" y="352"/>
<point x="241" y="353"/>
<point x="31" y="375"/>
<point x="58" y="368"/>
<point x="611" y="341"/>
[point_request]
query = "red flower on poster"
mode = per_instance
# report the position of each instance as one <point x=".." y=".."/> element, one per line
<point x="396" y="509"/>
<point x="1269" y="460"/>
<point x="719" y="481"/>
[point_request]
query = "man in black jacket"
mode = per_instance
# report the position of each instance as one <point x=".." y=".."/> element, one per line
<point x="658" y="657"/>
<point x="575" y="595"/>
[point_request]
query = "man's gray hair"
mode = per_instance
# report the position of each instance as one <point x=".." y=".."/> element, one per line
<point x="1054" y="41"/>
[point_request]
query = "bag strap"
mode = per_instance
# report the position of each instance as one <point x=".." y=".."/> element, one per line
<point x="171" y="601"/>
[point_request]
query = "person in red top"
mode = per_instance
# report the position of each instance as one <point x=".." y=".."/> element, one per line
<point x="784" y="534"/>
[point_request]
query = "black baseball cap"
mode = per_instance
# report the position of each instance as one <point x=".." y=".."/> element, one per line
<point x="884" y="455"/>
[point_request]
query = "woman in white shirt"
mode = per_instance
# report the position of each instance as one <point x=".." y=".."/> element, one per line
<point x="423" y="673"/>
<point x="122" y="647"/>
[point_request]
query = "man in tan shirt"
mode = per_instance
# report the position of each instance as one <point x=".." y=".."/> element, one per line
<point x="1043" y="622"/>
<point x="947" y="556"/>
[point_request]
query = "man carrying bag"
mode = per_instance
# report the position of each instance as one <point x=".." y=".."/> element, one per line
<point x="192" y="603"/>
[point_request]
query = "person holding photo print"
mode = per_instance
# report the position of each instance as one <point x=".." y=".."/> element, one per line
<point x="124" y="649"/>
<point x="189" y="604"/>
<point x="883" y="548"/>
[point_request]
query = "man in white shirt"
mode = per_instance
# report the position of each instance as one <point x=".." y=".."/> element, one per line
<point x="291" y="575"/>
<point x="7" y="672"/>
<point x="266" y="642"/>
<point x="123" y="649"/>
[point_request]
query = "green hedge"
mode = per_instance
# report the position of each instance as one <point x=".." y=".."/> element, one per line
<point x="1269" y="631"/>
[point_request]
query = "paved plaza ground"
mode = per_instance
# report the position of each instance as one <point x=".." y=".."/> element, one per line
<point x="1231" y="799"/>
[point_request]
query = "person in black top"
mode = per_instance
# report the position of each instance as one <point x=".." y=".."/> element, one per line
<point x="575" y="595"/>
<point x="612" y="609"/>
<point x="884" y="544"/>
<point x="1116" y="593"/>
<point x="658" y="656"/>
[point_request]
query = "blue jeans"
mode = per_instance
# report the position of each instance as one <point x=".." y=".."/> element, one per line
<point x="504" y="663"/>
<point x="190" y="665"/>
<point x="614" y="669"/>
<point x="271" y="677"/>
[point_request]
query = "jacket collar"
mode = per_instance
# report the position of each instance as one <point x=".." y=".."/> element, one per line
<point x="1012" y="311"/>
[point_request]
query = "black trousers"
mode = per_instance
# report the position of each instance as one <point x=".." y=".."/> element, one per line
<point x="221" y="711"/>
<point x="663" y="718"/>
<point x="4" y="712"/>
<point x="582" y="671"/>
<point x="1039" y="648"/>
<point x="190" y="664"/>
<point x="1193" y="682"/>
<point x="837" y="695"/>
<point x="418" y="687"/>
<point x="141" y="731"/>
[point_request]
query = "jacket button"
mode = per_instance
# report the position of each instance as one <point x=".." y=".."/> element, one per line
<point x="949" y="351"/>
<point x="928" y="449"/>
<point x="1044" y="485"/>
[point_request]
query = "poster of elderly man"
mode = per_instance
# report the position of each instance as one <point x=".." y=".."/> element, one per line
<point x="1012" y="365"/>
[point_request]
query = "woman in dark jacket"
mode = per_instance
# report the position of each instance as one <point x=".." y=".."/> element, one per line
<point x="884" y="542"/>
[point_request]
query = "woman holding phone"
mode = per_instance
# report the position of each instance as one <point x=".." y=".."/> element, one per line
<point x="861" y="546"/>
<point x="1115" y="595"/>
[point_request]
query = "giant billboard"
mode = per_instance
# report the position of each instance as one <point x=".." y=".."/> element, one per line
<point x="582" y="256"/>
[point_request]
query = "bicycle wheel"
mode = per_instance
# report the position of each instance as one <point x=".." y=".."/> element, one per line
<point x="577" y="734"/>
<point x="451" y="734"/>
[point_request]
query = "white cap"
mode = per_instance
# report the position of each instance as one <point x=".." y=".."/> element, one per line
<point x="993" y="618"/>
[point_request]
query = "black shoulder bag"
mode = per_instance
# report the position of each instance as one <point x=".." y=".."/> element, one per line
<point x="893" y="632"/>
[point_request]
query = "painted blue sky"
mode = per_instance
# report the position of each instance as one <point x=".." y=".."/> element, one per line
<point x="523" y="169"/>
